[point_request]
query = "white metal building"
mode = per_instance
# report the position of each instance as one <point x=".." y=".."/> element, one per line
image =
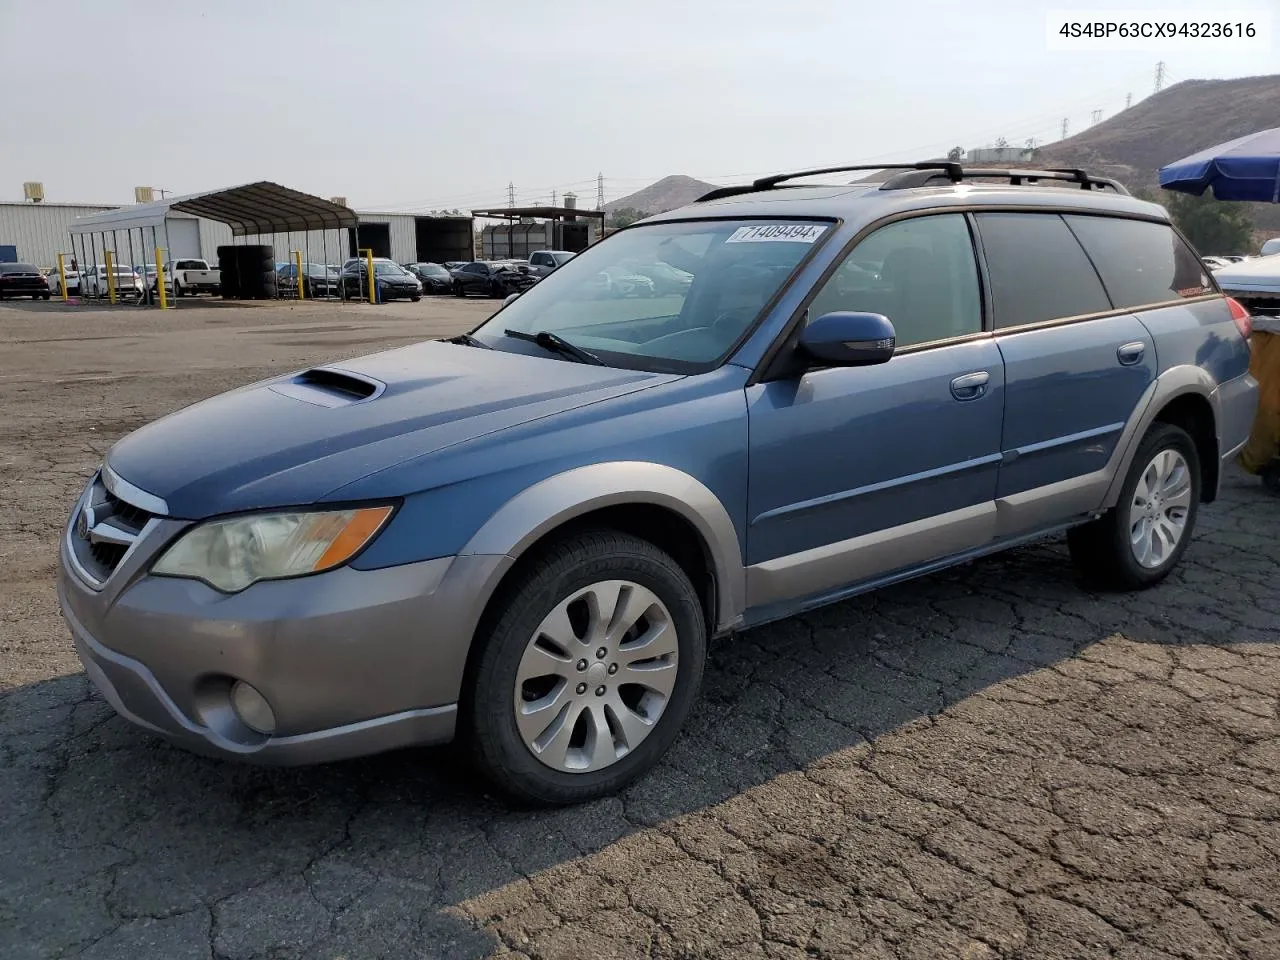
<point x="40" y="231"/>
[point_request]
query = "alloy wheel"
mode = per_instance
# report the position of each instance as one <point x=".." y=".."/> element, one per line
<point x="1159" y="510"/>
<point x="596" y="676"/>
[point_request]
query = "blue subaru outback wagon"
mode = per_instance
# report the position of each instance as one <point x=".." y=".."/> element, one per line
<point x="525" y="536"/>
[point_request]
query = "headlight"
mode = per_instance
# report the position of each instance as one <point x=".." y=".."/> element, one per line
<point x="232" y="554"/>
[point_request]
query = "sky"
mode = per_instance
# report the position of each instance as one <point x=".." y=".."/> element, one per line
<point x="426" y="105"/>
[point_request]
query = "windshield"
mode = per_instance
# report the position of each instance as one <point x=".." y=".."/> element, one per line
<point x="560" y="259"/>
<point x="388" y="269"/>
<point x="603" y="301"/>
<point x="432" y="270"/>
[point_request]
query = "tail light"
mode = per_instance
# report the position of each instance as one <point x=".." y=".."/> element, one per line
<point x="1241" y="317"/>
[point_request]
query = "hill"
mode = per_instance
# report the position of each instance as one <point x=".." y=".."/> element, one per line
<point x="1189" y="116"/>
<point x="667" y="194"/>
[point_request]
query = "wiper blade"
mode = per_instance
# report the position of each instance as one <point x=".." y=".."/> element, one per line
<point x="467" y="340"/>
<point x="557" y="344"/>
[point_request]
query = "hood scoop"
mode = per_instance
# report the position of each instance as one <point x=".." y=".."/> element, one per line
<point x="329" y="387"/>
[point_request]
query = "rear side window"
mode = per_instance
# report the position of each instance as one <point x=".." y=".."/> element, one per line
<point x="919" y="273"/>
<point x="1141" y="262"/>
<point x="1038" y="269"/>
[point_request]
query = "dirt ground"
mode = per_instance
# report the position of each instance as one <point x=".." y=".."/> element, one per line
<point x="990" y="762"/>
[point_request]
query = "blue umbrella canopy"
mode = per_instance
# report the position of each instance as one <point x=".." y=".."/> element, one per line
<point x="1243" y="169"/>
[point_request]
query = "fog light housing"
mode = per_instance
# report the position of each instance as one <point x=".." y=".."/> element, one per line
<point x="252" y="709"/>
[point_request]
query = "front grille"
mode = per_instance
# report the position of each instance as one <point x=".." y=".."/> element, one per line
<point x="104" y="531"/>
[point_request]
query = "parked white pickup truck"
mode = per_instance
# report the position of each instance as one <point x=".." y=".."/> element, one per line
<point x="190" y="277"/>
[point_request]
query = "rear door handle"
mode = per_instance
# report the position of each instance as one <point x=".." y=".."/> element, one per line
<point x="971" y="386"/>
<point x="1131" y="353"/>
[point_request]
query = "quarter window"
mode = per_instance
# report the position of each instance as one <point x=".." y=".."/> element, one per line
<point x="919" y="273"/>
<point x="1141" y="262"/>
<point x="1038" y="269"/>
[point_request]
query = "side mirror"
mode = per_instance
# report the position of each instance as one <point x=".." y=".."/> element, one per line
<point x="511" y="298"/>
<point x="847" y="339"/>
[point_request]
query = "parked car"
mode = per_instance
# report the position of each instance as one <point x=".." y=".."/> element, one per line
<point x="528" y="534"/>
<point x="433" y="277"/>
<point x="190" y="277"/>
<point x="93" y="281"/>
<point x="619" y="280"/>
<point x="55" y="280"/>
<point x="452" y="265"/>
<point x="664" y="278"/>
<point x="23" y="280"/>
<point x="493" y="278"/>
<point x="393" y="281"/>
<point x="544" y="262"/>
<point x="319" y="280"/>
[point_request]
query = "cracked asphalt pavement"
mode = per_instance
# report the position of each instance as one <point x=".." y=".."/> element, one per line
<point x="988" y="762"/>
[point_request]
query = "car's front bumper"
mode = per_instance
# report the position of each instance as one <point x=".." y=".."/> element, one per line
<point x="352" y="662"/>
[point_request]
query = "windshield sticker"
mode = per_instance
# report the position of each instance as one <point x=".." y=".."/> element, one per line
<point x="778" y="232"/>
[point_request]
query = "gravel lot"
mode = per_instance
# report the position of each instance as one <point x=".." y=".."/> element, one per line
<point x="985" y="763"/>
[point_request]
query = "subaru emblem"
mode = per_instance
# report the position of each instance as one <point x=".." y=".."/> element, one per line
<point x="85" y="522"/>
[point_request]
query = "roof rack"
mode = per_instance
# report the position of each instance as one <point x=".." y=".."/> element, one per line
<point x="927" y="173"/>
<point x="1016" y="178"/>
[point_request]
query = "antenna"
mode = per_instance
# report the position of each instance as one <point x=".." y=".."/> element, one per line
<point x="1065" y="126"/>
<point x="600" y="191"/>
<point x="1159" y="76"/>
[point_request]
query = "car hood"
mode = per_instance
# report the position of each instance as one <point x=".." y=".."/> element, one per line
<point x="1261" y="275"/>
<point x="291" y="440"/>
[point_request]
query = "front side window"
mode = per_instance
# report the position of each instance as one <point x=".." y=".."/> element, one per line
<point x="604" y="301"/>
<point x="1141" y="262"/>
<point x="920" y="273"/>
<point x="1038" y="269"/>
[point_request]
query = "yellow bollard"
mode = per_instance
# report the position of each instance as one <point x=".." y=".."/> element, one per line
<point x="373" y="290"/>
<point x="164" y="300"/>
<point x="111" y="275"/>
<point x="297" y="258"/>
<point x="62" y="274"/>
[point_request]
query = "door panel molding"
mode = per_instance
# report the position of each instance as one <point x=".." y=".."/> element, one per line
<point x="873" y="554"/>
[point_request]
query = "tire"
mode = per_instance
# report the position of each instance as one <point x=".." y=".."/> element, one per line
<point x="458" y="290"/>
<point x="589" y="563"/>
<point x="415" y="298"/>
<point x="45" y="296"/>
<point x="1270" y="476"/>
<point x="1104" y="551"/>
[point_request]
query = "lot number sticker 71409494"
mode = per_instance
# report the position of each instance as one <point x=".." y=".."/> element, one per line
<point x="778" y="232"/>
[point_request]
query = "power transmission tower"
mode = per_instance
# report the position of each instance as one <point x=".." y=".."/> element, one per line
<point x="511" y="195"/>
<point x="1095" y="116"/>
<point x="553" y="198"/>
<point x="1159" y="76"/>
<point x="1064" y="128"/>
<point x="1031" y="143"/>
<point x="1128" y="100"/>
<point x="600" y="191"/>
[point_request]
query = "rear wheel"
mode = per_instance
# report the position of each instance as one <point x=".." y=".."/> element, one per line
<point x="1141" y="539"/>
<point x="458" y="290"/>
<point x="588" y="669"/>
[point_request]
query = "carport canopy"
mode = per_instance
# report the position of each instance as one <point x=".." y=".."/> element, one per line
<point x="249" y="209"/>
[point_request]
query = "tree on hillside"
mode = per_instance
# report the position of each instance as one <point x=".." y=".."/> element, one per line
<point x="625" y="216"/>
<point x="1212" y="226"/>
<point x="955" y="154"/>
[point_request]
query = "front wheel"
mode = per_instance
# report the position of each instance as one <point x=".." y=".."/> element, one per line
<point x="1140" y="540"/>
<point x="588" y="669"/>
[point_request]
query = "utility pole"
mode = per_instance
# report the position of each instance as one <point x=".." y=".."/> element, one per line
<point x="1095" y="116"/>
<point x="511" y="195"/>
<point x="1159" y="76"/>
<point x="1064" y="128"/>
<point x="600" y="191"/>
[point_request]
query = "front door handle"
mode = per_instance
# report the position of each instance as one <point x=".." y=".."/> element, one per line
<point x="1131" y="353"/>
<point x="971" y="386"/>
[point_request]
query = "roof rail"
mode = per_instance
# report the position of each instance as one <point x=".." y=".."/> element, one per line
<point x="768" y="183"/>
<point x="1016" y="178"/>
<point x="926" y="173"/>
